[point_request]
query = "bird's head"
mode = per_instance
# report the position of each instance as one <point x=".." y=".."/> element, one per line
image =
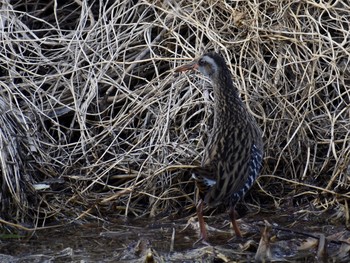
<point x="209" y="65"/>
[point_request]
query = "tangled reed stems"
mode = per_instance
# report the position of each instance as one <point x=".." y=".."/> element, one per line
<point x="93" y="119"/>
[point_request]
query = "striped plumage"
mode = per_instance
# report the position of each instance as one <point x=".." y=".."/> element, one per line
<point x="233" y="156"/>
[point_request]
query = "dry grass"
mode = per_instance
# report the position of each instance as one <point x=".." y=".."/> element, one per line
<point x="90" y="106"/>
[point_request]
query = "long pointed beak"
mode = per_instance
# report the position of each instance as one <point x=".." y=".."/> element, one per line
<point x="189" y="66"/>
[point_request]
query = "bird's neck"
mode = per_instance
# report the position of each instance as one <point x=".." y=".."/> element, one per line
<point x="226" y="98"/>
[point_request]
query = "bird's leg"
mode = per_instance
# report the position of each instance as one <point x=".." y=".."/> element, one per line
<point x="235" y="227"/>
<point x="202" y="228"/>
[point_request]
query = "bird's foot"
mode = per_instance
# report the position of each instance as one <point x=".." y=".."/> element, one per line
<point x="202" y="241"/>
<point x="236" y="239"/>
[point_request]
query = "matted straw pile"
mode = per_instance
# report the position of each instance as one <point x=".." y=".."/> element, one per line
<point x="93" y="118"/>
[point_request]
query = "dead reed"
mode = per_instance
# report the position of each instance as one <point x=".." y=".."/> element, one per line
<point x="93" y="120"/>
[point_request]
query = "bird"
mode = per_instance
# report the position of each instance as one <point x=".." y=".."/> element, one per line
<point x="233" y="156"/>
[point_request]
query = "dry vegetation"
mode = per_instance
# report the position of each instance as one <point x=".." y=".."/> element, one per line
<point x="93" y="120"/>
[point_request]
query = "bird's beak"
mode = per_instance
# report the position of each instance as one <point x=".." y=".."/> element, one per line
<point x="189" y="66"/>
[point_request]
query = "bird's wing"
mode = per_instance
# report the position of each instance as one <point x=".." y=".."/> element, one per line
<point x="254" y="168"/>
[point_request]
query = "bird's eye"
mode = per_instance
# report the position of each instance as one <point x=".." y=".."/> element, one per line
<point x="201" y="62"/>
